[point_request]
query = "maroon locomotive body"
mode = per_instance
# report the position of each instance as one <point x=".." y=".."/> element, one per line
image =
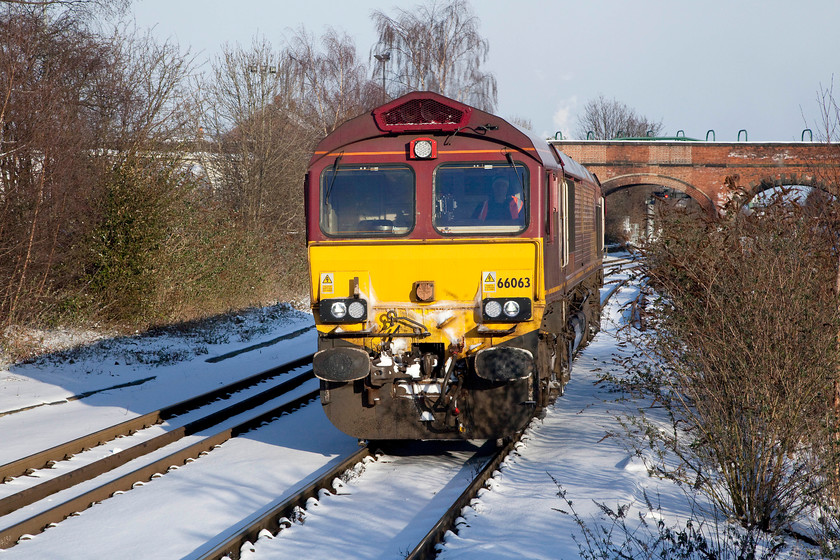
<point x="455" y="263"/>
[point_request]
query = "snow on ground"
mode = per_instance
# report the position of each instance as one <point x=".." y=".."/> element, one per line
<point x="163" y="354"/>
<point x="578" y="450"/>
<point x="520" y="515"/>
<point x="177" y="515"/>
<point x="385" y="511"/>
<point x="374" y="515"/>
<point x="165" y="368"/>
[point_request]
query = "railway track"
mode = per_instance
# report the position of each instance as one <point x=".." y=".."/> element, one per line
<point x="271" y="519"/>
<point x="248" y="530"/>
<point x="425" y="548"/>
<point x="271" y="401"/>
<point x="614" y="267"/>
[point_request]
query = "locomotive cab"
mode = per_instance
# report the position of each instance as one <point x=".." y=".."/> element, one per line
<point x="426" y="224"/>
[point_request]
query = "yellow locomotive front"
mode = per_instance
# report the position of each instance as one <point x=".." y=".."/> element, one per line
<point x="426" y="267"/>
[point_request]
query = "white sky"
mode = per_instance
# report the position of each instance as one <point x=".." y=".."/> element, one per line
<point x="697" y="65"/>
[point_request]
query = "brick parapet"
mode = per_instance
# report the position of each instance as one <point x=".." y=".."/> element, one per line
<point x="705" y="166"/>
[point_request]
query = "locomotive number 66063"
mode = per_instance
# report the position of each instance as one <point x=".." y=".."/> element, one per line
<point x="514" y="282"/>
<point x="455" y="263"/>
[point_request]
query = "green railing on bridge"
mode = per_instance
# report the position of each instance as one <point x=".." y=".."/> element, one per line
<point x="659" y="138"/>
<point x="679" y="137"/>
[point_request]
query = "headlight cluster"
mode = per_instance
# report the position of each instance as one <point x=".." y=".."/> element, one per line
<point x="505" y="310"/>
<point x="345" y="310"/>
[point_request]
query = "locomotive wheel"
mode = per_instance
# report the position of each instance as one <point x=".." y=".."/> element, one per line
<point x="503" y="441"/>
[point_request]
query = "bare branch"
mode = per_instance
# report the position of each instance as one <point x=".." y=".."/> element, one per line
<point x="437" y="47"/>
<point x="82" y="9"/>
<point x="333" y="83"/>
<point x="607" y="119"/>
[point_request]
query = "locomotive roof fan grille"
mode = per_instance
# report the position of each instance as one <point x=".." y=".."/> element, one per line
<point x="422" y="111"/>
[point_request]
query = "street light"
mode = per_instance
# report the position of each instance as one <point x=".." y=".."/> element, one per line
<point x="383" y="58"/>
<point x="262" y="69"/>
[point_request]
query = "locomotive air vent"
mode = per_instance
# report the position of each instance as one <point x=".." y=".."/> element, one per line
<point x="422" y="111"/>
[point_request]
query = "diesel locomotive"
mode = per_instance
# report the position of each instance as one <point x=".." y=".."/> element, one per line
<point x="455" y="266"/>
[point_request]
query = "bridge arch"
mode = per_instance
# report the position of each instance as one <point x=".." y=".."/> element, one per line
<point x="637" y="179"/>
<point x="789" y="180"/>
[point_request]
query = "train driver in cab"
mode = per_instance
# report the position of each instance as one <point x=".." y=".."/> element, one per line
<point x="505" y="203"/>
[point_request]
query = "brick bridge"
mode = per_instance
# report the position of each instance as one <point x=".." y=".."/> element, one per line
<point x="702" y="170"/>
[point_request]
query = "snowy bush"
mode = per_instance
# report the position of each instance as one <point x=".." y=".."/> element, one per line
<point x="745" y="343"/>
<point x="619" y="535"/>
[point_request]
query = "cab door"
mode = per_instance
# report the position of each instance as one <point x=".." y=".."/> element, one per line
<point x="552" y="235"/>
<point x="567" y="225"/>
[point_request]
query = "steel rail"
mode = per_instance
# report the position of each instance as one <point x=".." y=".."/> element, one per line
<point x="30" y="495"/>
<point x="617" y="265"/>
<point x="231" y="546"/>
<point x="613" y="290"/>
<point x="38" y="522"/>
<point x="250" y="531"/>
<point x="64" y="451"/>
<point x="609" y="270"/>
<point x="426" y="547"/>
<point x="614" y="260"/>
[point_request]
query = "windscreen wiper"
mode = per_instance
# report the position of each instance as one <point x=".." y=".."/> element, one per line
<point x="334" y="175"/>
<point x="521" y="178"/>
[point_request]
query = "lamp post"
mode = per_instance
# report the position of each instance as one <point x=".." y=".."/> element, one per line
<point x="383" y="58"/>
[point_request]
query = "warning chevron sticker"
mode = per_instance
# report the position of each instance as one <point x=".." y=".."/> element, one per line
<point x="488" y="281"/>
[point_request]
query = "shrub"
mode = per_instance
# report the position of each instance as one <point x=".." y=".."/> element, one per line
<point x="136" y="210"/>
<point x="745" y="343"/>
<point x="164" y="251"/>
<point x="619" y="536"/>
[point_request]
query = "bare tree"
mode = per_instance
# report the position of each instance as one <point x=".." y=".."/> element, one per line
<point x="258" y="141"/>
<point x="334" y="86"/>
<point x="752" y="426"/>
<point x="521" y="122"/>
<point x="80" y="10"/>
<point x="264" y="111"/>
<point x="817" y="202"/>
<point x="73" y="103"/>
<point x="48" y="109"/>
<point x="829" y="122"/>
<point x="152" y="106"/>
<point x="609" y="118"/>
<point x="107" y="4"/>
<point x="437" y="47"/>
